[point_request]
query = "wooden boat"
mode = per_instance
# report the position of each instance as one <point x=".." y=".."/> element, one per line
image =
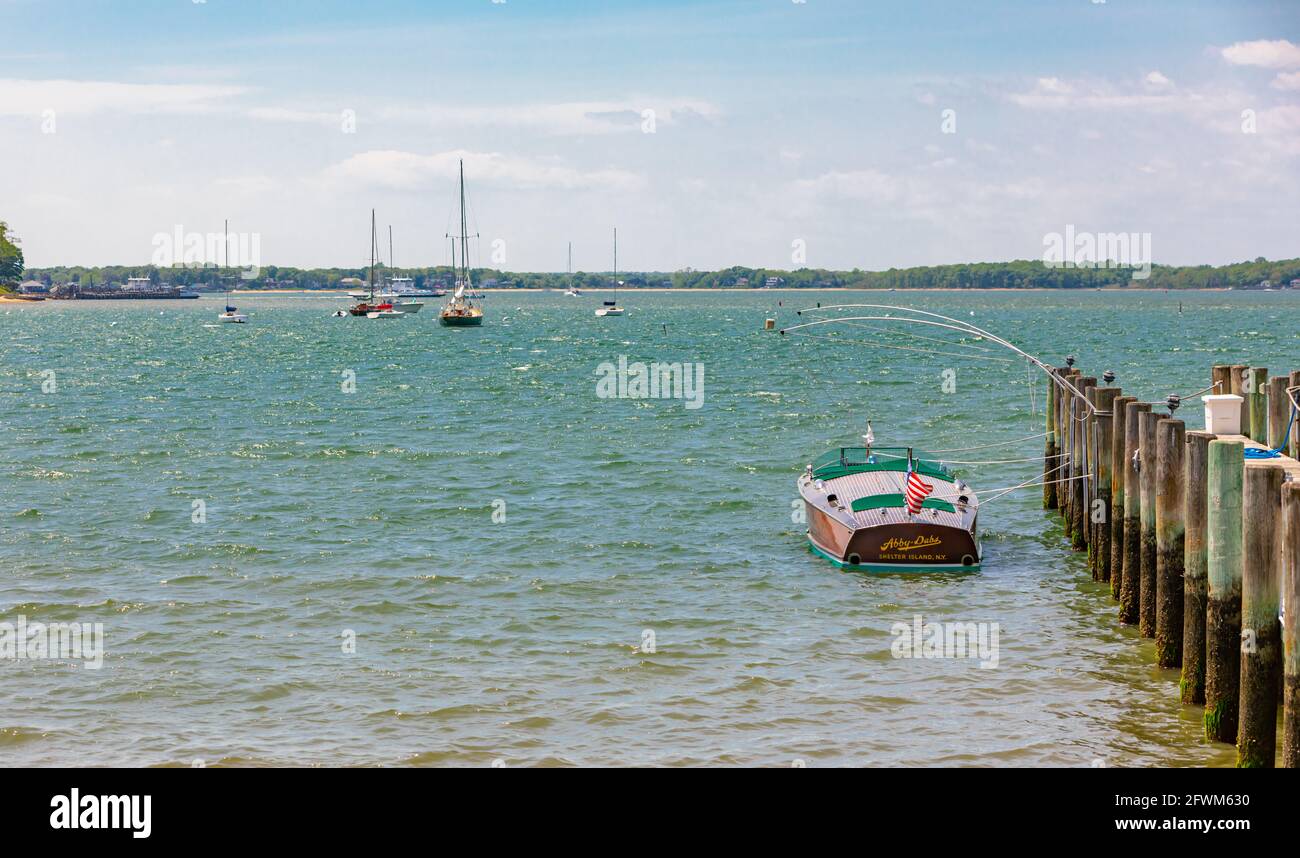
<point x="373" y="305"/>
<point x="857" y="505"/>
<point x="461" y="311"/>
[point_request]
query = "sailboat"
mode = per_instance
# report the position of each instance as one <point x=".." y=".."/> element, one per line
<point x="373" y="308"/>
<point x="461" y="311"/>
<point x="611" y="308"/>
<point x="572" y="291"/>
<point x="398" y="290"/>
<point x="231" y="315"/>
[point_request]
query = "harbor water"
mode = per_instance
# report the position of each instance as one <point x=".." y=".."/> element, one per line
<point x="329" y="541"/>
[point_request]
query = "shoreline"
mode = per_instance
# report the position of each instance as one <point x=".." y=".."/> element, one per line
<point x="784" y="289"/>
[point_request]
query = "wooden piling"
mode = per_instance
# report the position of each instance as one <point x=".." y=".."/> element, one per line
<point x="1294" y="444"/>
<point x="1131" y="586"/>
<point x="1257" y="404"/>
<point x="1279" y="411"/>
<point x="1050" y="474"/>
<point x="1104" y="427"/>
<point x="1147" y="421"/>
<point x="1078" y="497"/>
<point x="1066" y="435"/>
<point x="1170" y="540"/>
<point x="1291" y="630"/>
<point x="1261" y="634"/>
<point x="1117" y="495"/>
<point x="1237" y="385"/>
<point x="1195" y="461"/>
<point x="1225" y="471"/>
<point x="1221" y="376"/>
<point x="1089" y="475"/>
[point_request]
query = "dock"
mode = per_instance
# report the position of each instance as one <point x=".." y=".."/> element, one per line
<point x="1196" y="532"/>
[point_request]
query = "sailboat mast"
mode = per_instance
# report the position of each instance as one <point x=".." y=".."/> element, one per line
<point x="391" y="264"/>
<point x="373" y="240"/>
<point x="464" y="227"/>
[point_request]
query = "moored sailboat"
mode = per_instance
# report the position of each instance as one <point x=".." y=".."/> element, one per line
<point x="372" y="304"/>
<point x="611" y="308"/>
<point x="231" y="314"/>
<point x="461" y="311"/>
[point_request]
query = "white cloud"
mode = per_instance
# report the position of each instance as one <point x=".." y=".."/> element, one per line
<point x="1287" y="81"/>
<point x="1275" y="54"/>
<point x="410" y="170"/>
<point x="574" y="118"/>
<point x="1156" y="80"/>
<point x="30" y="97"/>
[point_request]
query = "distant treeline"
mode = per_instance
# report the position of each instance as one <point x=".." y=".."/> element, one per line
<point x="1020" y="274"/>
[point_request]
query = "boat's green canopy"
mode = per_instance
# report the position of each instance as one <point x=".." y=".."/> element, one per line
<point x="855" y="460"/>
<point x="891" y="501"/>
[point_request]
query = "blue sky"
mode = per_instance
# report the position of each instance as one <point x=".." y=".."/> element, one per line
<point x="774" y="122"/>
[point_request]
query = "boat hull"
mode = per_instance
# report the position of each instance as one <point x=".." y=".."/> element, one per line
<point x="912" y="547"/>
<point x="460" y="321"/>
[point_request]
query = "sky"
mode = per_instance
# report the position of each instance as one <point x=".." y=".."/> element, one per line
<point x="828" y="133"/>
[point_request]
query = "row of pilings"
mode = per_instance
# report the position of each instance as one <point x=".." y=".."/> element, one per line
<point x="1198" y="540"/>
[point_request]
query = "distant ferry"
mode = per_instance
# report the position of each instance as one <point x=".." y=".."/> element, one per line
<point x="136" y="288"/>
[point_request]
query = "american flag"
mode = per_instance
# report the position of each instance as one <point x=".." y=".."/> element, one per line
<point x="917" y="490"/>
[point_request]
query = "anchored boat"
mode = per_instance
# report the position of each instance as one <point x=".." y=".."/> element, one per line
<point x="881" y="509"/>
<point x="461" y="311"/>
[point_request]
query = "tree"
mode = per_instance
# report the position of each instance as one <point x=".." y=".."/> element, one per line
<point x="11" y="256"/>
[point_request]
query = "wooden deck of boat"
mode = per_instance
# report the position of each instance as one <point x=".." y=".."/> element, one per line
<point x="869" y="483"/>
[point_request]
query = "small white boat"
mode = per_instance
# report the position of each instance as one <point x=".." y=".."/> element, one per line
<point x="231" y="316"/>
<point x="611" y="308"/>
<point x="385" y="314"/>
<point x="572" y="291"/>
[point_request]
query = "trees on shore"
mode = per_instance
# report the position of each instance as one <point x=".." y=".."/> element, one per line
<point x="11" y="257"/>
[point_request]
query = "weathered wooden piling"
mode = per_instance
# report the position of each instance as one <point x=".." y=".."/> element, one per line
<point x="1225" y="473"/>
<point x="1221" y="376"/>
<point x="1195" y="461"/>
<point x="1131" y="586"/>
<point x="1291" y="629"/>
<point x="1147" y="421"/>
<point x="1295" y="429"/>
<point x="1256" y="387"/>
<point x="1066" y="436"/>
<point x="1089" y="474"/>
<point x="1279" y="411"/>
<point x="1050" y="464"/>
<point x="1170" y="539"/>
<point x="1104" y="427"/>
<point x="1119" y="408"/>
<point x="1237" y="385"/>
<point x="1261" y="634"/>
<point x="1078" y="503"/>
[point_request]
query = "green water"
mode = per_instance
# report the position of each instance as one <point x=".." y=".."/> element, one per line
<point x="519" y="639"/>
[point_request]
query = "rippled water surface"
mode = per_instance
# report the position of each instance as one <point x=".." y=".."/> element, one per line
<point x="518" y="640"/>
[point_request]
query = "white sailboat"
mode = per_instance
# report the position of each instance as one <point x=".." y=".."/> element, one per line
<point x="397" y="290"/>
<point x="231" y="315"/>
<point x="572" y="291"/>
<point x="611" y="308"/>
